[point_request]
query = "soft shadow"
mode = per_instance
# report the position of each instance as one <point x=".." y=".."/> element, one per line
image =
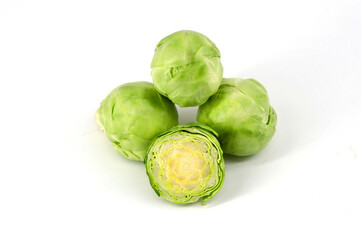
<point x="232" y="158"/>
<point x="187" y="115"/>
<point x="244" y="175"/>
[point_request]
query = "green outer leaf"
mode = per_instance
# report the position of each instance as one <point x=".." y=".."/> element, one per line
<point x="132" y="115"/>
<point x="186" y="68"/>
<point x="196" y="130"/>
<point x="241" y="115"/>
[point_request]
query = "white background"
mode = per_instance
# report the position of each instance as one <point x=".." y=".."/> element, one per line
<point x="61" y="179"/>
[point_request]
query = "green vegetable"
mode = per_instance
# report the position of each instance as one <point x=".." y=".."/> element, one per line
<point x="240" y="113"/>
<point x="186" y="68"/>
<point x="132" y="115"/>
<point x="186" y="164"/>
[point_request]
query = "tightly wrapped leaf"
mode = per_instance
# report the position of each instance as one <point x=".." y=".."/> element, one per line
<point x="186" y="68"/>
<point x="240" y="113"/>
<point x="132" y="115"/>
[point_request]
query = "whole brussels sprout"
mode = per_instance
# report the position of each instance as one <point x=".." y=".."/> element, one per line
<point x="186" y="68"/>
<point x="132" y="115"/>
<point x="185" y="164"/>
<point x="240" y="113"/>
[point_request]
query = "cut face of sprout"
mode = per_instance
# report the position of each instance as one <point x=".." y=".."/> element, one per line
<point x="183" y="167"/>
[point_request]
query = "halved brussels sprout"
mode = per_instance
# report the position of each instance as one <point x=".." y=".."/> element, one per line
<point x="186" y="68"/>
<point x="186" y="164"/>
<point x="240" y="113"/>
<point x="132" y="115"/>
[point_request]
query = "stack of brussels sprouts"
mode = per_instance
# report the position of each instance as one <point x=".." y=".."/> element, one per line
<point x="185" y="163"/>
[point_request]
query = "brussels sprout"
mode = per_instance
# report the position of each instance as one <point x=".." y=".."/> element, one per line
<point x="186" y="68"/>
<point x="132" y="115"/>
<point x="186" y="164"/>
<point x="240" y="113"/>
